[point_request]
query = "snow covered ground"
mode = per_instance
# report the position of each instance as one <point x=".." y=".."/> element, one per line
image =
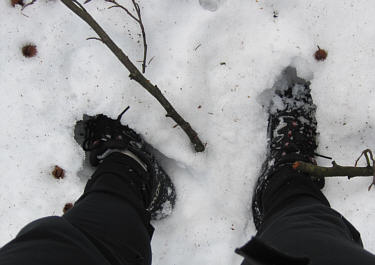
<point x="216" y="54"/>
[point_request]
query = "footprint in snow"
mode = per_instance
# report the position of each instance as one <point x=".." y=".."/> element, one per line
<point x="211" y="5"/>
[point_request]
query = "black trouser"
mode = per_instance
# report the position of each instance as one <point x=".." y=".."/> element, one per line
<point x="300" y="227"/>
<point x="107" y="225"/>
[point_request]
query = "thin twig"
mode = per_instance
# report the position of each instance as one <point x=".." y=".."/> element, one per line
<point x="116" y="4"/>
<point x="94" y="38"/>
<point x="366" y="153"/>
<point x="196" y="48"/>
<point x="138" y="19"/>
<point x="152" y="58"/>
<point x="138" y="10"/>
<point x="135" y="74"/>
<point x="28" y="4"/>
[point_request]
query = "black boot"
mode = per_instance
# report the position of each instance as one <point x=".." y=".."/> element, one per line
<point x="291" y="132"/>
<point x="100" y="135"/>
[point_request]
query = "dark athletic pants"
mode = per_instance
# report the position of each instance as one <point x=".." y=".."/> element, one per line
<point x="107" y="225"/>
<point x="301" y="228"/>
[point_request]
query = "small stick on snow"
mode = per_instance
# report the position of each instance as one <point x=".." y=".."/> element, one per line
<point x="138" y="19"/>
<point x="338" y="171"/>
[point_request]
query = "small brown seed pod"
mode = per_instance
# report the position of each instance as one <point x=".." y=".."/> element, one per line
<point x="29" y="50"/>
<point x="320" y="54"/>
<point x="58" y="172"/>
<point x="67" y="207"/>
<point x="17" y="2"/>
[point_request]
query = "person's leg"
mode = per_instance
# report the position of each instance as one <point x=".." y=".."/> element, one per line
<point x="52" y="241"/>
<point x="293" y="218"/>
<point x="110" y="223"/>
<point x="299" y="222"/>
<point x="112" y="214"/>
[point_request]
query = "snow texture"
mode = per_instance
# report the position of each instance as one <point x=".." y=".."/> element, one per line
<point x="220" y="55"/>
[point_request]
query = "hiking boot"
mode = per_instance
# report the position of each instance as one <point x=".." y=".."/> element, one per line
<point x="291" y="132"/>
<point x="100" y="135"/>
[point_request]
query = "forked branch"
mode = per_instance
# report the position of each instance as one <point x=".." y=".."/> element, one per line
<point x="138" y="19"/>
<point x="338" y="171"/>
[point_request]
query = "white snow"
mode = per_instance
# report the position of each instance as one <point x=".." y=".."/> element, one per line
<point x="189" y="40"/>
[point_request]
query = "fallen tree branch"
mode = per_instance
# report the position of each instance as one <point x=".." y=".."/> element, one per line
<point x="337" y="171"/>
<point x="135" y="74"/>
<point x="334" y="171"/>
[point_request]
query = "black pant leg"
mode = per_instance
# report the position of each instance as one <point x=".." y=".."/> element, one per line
<point x="299" y="223"/>
<point x="114" y="227"/>
<point x="108" y="224"/>
<point x="51" y="241"/>
<point x="111" y="212"/>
